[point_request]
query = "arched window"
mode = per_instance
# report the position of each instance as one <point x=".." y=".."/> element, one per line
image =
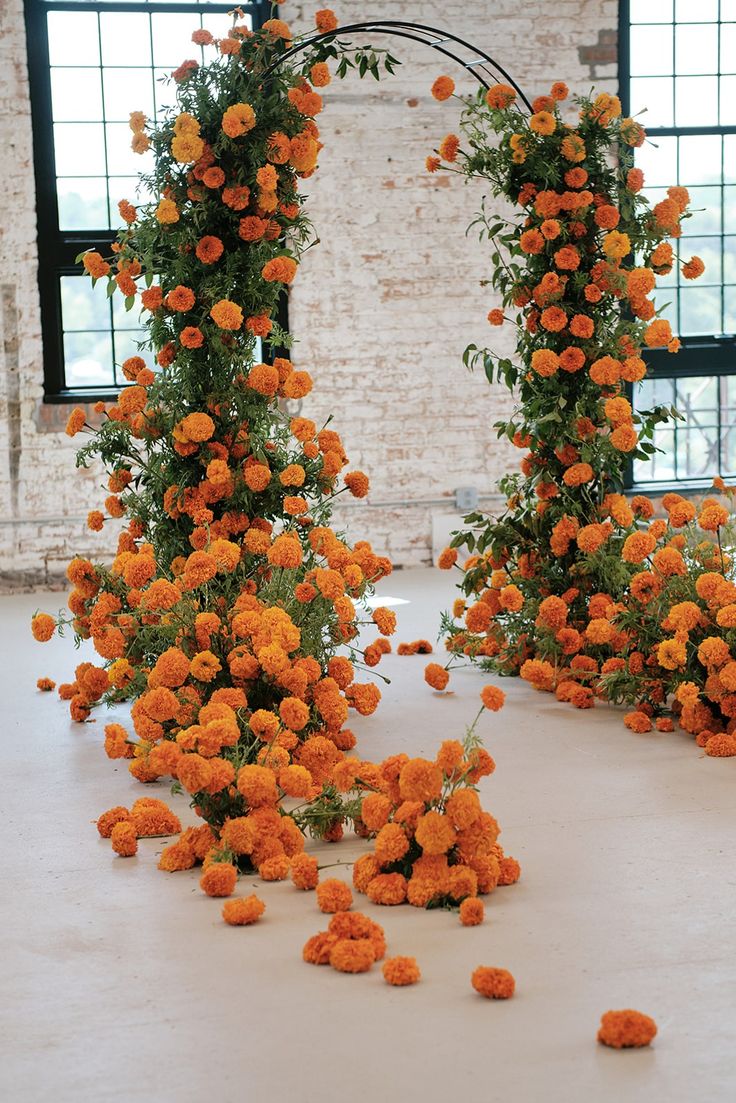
<point x="92" y="62"/>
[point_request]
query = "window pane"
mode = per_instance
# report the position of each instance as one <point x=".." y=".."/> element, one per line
<point x="127" y="90"/>
<point x="697" y="48"/>
<point x="79" y="147"/>
<point x="121" y="159"/>
<point x="696" y="101"/>
<point x="165" y="90"/>
<point x="125" y="187"/>
<point x="651" y="50"/>
<point x="729" y="318"/>
<point x="700" y="159"/>
<point x="126" y="38"/>
<point x="698" y="395"/>
<point x="729" y="259"/>
<point x="654" y="93"/>
<point x="705" y="208"/>
<point x="76" y="96"/>
<point x="728" y="101"/>
<point x="84" y="307"/>
<point x="729" y="209"/>
<point x="127" y="344"/>
<point x="651" y="11"/>
<point x="172" y="38"/>
<point x="728" y="47"/>
<point x="88" y="359"/>
<point x="82" y="203"/>
<point x="73" y="38"/>
<point x="658" y="161"/>
<point x="696" y="11"/>
<point x="697" y="451"/>
<point x="700" y="310"/>
<point x="661" y="466"/>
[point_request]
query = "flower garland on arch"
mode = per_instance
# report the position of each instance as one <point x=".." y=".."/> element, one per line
<point x="230" y="613"/>
<point x="575" y="586"/>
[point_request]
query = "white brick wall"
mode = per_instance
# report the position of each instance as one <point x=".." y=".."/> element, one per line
<point x="382" y="309"/>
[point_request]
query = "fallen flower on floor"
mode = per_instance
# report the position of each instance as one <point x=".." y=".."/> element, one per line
<point x="417" y="647"/>
<point x="472" y="911"/>
<point x="494" y="984"/>
<point x="334" y="896"/>
<point x="124" y="839"/>
<point x="46" y="685"/>
<point x="243" y="911"/>
<point x="401" y="971"/>
<point x="626" y="1029"/>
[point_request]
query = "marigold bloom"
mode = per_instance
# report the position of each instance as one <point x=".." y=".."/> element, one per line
<point x="623" y="1029"/>
<point x="43" y="627"/>
<point x="638" y="722"/>
<point x="436" y="676"/>
<point x="472" y="911"/>
<point x="543" y="123"/>
<point x="401" y="971"/>
<point x="353" y="955"/>
<point x="496" y="984"/>
<point x="492" y="698"/>
<point x="545" y="362"/>
<point x="219" y="879"/>
<point x="124" y="839"/>
<point x="334" y="895"/>
<point x="443" y="88"/>
<point x="243" y="911"/>
<point x="227" y="315"/>
<point x="279" y="270"/>
<point x="238" y="119"/>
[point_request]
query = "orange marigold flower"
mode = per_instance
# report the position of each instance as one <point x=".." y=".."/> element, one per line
<point x="279" y="270"/>
<point x="191" y="337"/>
<point x="167" y="212"/>
<point x="353" y="955"/>
<point x="325" y="20"/>
<point x="238" y="120"/>
<point x="496" y="984"/>
<point x="227" y="314"/>
<point x="434" y="833"/>
<point x="124" y="839"/>
<point x="578" y="474"/>
<point x="543" y="123"/>
<point x="572" y="148"/>
<point x="492" y="698"/>
<point x="500" y="96"/>
<point x="658" y="333"/>
<point x="436" y="676"/>
<point x="495" y="317"/>
<point x="559" y="90"/>
<point x="693" y="268"/>
<point x="334" y="895"/>
<point x="443" y="88"/>
<point x="401" y="971"/>
<point x="567" y="258"/>
<point x="638" y="722"/>
<point x="545" y="362"/>
<point x="243" y="910"/>
<point x="43" y="627"/>
<point x="625" y="1029"/>
<point x="449" y="147"/>
<point x="624" y="438"/>
<point x="472" y="911"/>
<point x="209" y="249"/>
<point x="532" y="242"/>
<point x="219" y="879"/>
<point x="76" y="421"/>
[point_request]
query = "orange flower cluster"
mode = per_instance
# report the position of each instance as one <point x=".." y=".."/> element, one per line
<point x="433" y="843"/>
<point x="579" y="590"/>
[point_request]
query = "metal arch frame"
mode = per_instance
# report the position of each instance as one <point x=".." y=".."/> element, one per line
<point x="436" y="39"/>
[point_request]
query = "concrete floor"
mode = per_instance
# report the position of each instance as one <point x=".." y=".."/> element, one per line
<point x="122" y="983"/>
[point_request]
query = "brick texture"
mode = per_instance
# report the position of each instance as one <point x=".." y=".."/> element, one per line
<point x="382" y="308"/>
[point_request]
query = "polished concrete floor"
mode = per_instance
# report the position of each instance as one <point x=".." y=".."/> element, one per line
<point x="122" y="983"/>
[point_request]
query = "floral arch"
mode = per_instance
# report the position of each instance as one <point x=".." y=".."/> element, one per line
<point x="230" y="615"/>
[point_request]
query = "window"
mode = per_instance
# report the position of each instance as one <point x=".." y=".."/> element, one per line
<point x="678" y="59"/>
<point x="91" y="64"/>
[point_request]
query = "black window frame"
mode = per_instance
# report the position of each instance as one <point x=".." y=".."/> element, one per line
<point x="58" y="248"/>
<point x="701" y="355"/>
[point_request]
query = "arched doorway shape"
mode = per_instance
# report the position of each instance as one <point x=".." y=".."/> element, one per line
<point x="477" y="62"/>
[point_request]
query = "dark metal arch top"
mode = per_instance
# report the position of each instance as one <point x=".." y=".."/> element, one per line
<point x="477" y="62"/>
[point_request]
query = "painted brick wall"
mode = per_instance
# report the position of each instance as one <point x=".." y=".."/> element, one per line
<point x="382" y="309"/>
